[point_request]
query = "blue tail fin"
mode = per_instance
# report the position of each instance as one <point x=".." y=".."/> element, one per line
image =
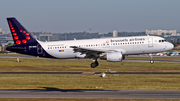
<point x="19" y="34"/>
<point x="24" y="41"/>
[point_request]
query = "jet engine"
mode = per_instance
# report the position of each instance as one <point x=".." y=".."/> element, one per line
<point x="114" y="56"/>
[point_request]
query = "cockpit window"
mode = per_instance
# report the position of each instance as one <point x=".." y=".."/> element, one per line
<point x="162" y="41"/>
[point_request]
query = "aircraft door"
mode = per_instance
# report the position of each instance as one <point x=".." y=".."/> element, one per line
<point x="39" y="49"/>
<point x="150" y="42"/>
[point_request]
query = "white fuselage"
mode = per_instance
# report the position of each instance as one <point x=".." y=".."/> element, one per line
<point x="127" y="45"/>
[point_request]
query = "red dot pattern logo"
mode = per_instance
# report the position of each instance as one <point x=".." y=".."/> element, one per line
<point x="27" y="37"/>
<point x="27" y="33"/>
<point x="16" y="37"/>
<point x="18" y="42"/>
<point x="24" y="41"/>
<point x="15" y="34"/>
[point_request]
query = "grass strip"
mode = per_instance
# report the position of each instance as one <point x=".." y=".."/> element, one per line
<point x="90" y="82"/>
<point x="74" y="65"/>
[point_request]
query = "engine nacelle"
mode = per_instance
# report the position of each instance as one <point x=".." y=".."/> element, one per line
<point x="114" y="56"/>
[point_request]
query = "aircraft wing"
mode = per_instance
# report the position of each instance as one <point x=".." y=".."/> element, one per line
<point x="90" y="52"/>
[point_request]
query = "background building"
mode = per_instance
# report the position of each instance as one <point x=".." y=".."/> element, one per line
<point x="0" y="29"/>
<point x="45" y="37"/>
<point x="165" y="33"/>
<point x="6" y="40"/>
<point x="115" y="34"/>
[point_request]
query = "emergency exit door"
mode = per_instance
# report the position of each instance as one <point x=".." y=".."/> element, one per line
<point x="150" y="42"/>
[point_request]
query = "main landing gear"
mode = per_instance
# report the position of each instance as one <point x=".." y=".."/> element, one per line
<point x="151" y="61"/>
<point x="94" y="63"/>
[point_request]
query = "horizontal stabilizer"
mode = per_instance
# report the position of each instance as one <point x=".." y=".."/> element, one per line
<point x="15" y="48"/>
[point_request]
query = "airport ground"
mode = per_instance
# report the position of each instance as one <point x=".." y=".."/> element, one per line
<point x="82" y="99"/>
<point x="88" y="82"/>
<point x="34" y="64"/>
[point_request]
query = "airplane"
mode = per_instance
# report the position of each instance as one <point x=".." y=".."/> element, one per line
<point x="111" y="49"/>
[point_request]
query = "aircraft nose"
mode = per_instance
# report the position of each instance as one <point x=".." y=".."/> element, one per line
<point x="170" y="46"/>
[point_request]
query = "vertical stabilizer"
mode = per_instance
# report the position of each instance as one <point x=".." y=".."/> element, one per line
<point x="19" y="34"/>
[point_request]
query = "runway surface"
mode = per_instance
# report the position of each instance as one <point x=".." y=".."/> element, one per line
<point x="97" y="73"/>
<point x="122" y="94"/>
<point x="140" y="60"/>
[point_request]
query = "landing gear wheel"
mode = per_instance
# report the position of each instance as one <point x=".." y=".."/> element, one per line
<point x="94" y="64"/>
<point x="151" y="61"/>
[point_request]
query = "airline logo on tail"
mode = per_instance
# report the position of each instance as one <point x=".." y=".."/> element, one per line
<point x="20" y="35"/>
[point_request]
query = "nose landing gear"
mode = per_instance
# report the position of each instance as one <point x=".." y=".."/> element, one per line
<point x="151" y="60"/>
<point x="94" y="63"/>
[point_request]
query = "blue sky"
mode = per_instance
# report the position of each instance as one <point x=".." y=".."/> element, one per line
<point x="101" y="15"/>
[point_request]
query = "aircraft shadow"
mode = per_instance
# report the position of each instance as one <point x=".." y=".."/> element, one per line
<point x="69" y="90"/>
